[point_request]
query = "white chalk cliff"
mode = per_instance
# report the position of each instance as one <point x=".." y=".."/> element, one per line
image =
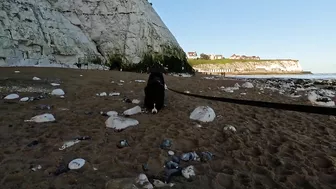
<point x="253" y="66"/>
<point x="62" y="32"/>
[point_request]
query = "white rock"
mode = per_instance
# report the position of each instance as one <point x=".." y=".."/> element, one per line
<point x="81" y="75"/>
<point x="121" y="81"/>
<point x="68" y="144"/>
<point x="140" y="81"/>
<point x="114" y="94"/>
<point x="55" y="84"/>
<point x="11" y="96"/>
<point x="57" y="92"/>
<point x="132" y="111"/>
<point x="188" y="172"/>
<point x="24" y="99"/>
<point x="42" y="118"/>
<point x="120" y="123"/>
<point x="237" y="85"/>
<point x="62" y="97"/>
<point x="112" y="113"/>
<point x="143" y="181"/>
<point x="203" y="114"/>
<point x="229" y="127"/>
<point x="171" y="153"/>
<point x="242" y="93"/>
<point x="160" y="184"/>
<point x="16" y="71"/>
<point x="187" y="92"/>
<point x="101" y="94"/>
<point x="76" y="163"/>
<point x="313" y="96"/>
<point x="247" y="85"/>
<point x="36" y="79"/>
<point x="135" y="101"/>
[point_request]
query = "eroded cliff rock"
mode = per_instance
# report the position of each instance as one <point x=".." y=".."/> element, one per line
<point x="284" y="66"/>
<point x="66" y="32"/>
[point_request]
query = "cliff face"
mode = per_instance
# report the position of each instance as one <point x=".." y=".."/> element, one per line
<point x="254" y="66"/>
<point x="65" y="32"/>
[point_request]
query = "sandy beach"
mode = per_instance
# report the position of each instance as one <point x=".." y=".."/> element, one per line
<point x="270" y="149"/>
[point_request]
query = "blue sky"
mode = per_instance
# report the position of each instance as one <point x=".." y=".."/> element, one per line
<point x="296" y="29"/>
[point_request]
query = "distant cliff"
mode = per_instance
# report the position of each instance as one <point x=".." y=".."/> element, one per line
<point x="246" y="66"/>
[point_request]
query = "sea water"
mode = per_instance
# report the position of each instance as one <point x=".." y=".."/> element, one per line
<point x="303" y="76"/>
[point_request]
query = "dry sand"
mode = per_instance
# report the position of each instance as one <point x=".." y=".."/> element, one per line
<point x="271" y="148"/>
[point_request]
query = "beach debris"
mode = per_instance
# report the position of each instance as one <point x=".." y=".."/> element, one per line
<point x="114" y="94"/>
<point x="110" y="113"/>
<point x="229" y="127"/>
<point x="16" y="71"/>
<point x="318" y="99"/>
<point x="81" y="75"/>
<point x="247" y="85"/>
<point x="57" y="92"/>
<point x="166" y="144"/>
<point x="135" y="101"/>
<point x="188" y="172"/>
<point x="127" y="100"/>
<point x="132" y="111"/>
<point x="38" y="167"/>
<point x="159" y="184"/>
<point x="62" y="168"/>
<point x="206" y="156"/>
<point x="140" y="81"/>
<point x="171" y="153"/>
<point x="119" y="123"/>
<point x="55" y="84"/>
<point x="101" y="94"/>
<point x="175" y="159"/>
<point x="171" y="165"/>
<point x="42" y="118"/>
<point x="36" y="79"/>
<point x="76" y="164"/>
<point x="33" y="143"/>
<point x="198" y="125"/>
<point x="11" y="96"/>
<point x="190" y="156"/>
<point x="24" y="99"/>
<point x="43" y="107"/>
<point x="242" y="93"/>
<point x="122" y="144"/>
<point x="187" y="92"/>
<point x="143" y="182"/>
<point x="203" y="114"/>
<point x="68" y="144"/>
<point x="121" y="81"/>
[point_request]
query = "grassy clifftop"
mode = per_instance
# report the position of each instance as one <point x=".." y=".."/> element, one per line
<point x="194" y="62"/>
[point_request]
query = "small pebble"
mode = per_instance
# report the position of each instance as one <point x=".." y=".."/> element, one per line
<point x="171" y="153"/>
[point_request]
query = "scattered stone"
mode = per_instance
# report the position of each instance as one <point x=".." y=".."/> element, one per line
<point x="112" y="113"/>
<point x="24" y="99"/>
<point x="320" y="100"/>
<point x="237" y="85"/>
<point x="229" y="127"/>
<point x="36" y="168"/>
<point x="11" y="96"/>
<point x="140" y="81"/>
<point x="114" y="94"/>
<point x="132" y="111"/>
<point x="76" y="163"/>
<point x="190" y="156"/>
<point x="120" y="123"/>
<point x="247" y="85"/>
<point x="166" y="144"/>
<point x="69" y="144"/>
<point x="187" y="92"/>
<point x="171" y="153"/>
<point x="135" y="101"/>
<point x="203" y="114"/>
<point x="62" y="96"/>
<point x="16" y="71"/>
<point x="101" y="94"/>
<point x="122" y="144"/>
<point x="42" y="118"/>
<point x="57" y="92"/>
<point x="121" y="81"/>
<point x="160" y="184"/>
<point x="81" y="75"/>
<point x="55" y="84"/>
<point x="36" y="79"/>
<point x="143" y="182"/>
<point x="188" y="172"/>
<point x="242" y="93"/>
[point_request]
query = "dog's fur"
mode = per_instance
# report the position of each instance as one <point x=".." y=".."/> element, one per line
<point x="155" y="92"/>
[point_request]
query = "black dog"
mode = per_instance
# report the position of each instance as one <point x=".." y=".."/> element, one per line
<point x="155" y="92"/>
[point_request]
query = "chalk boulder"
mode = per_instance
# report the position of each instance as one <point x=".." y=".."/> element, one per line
<point x="203" y="114"/>
<point x="120" y="123"/>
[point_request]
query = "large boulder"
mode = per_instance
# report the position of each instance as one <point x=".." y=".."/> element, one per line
<point x="68" y="33"/>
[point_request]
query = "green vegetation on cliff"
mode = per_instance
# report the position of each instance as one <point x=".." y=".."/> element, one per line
<point x="194" y="62"/>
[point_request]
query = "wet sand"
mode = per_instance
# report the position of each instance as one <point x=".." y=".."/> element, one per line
<point x="271" y="148"/>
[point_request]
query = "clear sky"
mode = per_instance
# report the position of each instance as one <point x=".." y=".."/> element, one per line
<point x="296" y="29"/>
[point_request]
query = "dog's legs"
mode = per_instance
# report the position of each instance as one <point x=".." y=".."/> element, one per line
<point x="154" y="110"/>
